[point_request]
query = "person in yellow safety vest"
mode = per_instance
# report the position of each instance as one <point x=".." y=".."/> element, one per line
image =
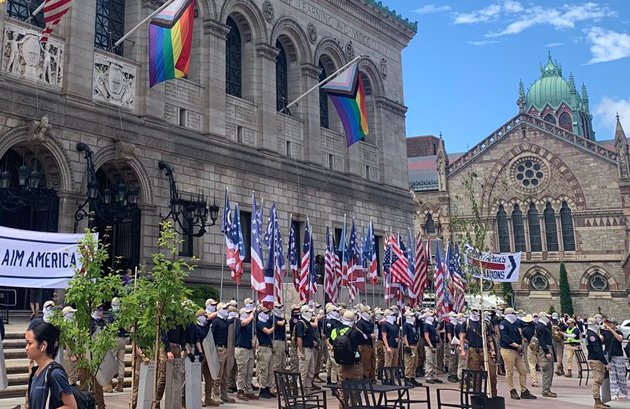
<point x="571" y="344"/>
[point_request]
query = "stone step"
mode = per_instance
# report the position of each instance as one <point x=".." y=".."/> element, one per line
<point x="19" y="390"/>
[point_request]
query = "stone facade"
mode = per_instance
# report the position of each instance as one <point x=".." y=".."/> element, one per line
<point x="566" y="188"/>
<point x="214" y="140"/>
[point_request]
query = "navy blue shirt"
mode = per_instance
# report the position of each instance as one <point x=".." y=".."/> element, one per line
<point x="176" y="335"/>
<point x="57" y="384"/>
<point x="243" y="335"/>
<point x="191" y="334"/>
<point x="411" y="333"/>
<point x="263" y="339"/>
<point x="280" y="333"/>
<point x="509" y="334"/>
<point x="391" y="333"/>
<point x="112" y="317"/>
<point x="305" y="331"/>
<point x="365" y="329"/>
<point x="433" y="335"/>
<point x="472" y="333"/>
<point x="220" y="332"/>
<point x="202" y="331"/>
<point x="595" y="348"/>
<point x="528" y="331"/>
<point x="543" y="333"/>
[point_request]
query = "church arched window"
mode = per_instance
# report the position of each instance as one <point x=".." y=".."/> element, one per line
<point x="504" y="231"/>
<point x="23" y="10"/>
<point x="551" y="229"/>
<point x="110" y="24"/>
<point x="282" y="78"/>
<point x="233" y="60"/>
<point x="429" y="225"/>
<point x="566" y="221"/>
<point x="535" y="241"/>
<point x="550" y="118"/>
<point x="323" y="100"/>
<point x="518" y="229"/>
<point x="566" y="122"/>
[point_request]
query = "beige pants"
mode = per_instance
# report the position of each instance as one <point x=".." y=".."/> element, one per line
<point x="219" y="385"/>
<point x="368" y="362"/>
<point x="462" y="363"/>
<point x="346" y="373"/>
<point x="411" y="362"/>
<point x="391" y="358"/>
<point x="307" y="368"/>
<point x="244" y="369"/>
<point x="264" y="366"/>
<point x="71" y="367"/>
<point x="532" y="360"/>
<point x="277" y="359"/>
<point x="332" y="368"/>
<point x="430" y="363"/>
<point x="546" y="370"/>
<point x="512" y="359"/>
<point x="598" y="370"/>
<point x="570" y="352"/>
<point x="380" y="356"/>
<point x="119" y="352"/>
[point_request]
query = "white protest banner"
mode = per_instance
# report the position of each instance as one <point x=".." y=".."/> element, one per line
<point x="37" y="259"/>
<point x="501" y="267"/>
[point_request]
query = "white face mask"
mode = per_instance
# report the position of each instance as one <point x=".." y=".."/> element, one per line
<point x="334" y="316"/>
<point x="244" y="316"/>
<point x="536" y="320"/>
<point x="97" y="315"/>
<point x="249" y="307"/>
<point x="366" y="316"/>
<point x="543" y="320"/>
<point x="391" y="319"/>
<point x="277" y="312"/>
<point x="211" y="308"/>
<point x="430" y="320"/>
<point x="593" y="328"/>
<point x="348" y="323"/>
<point x="202" y="320"/>
<point x="307" y="315"/>
<point x="263" y="317"/>
<point x="474" y="316"/>
<point x="599" y="321"/>
<point x="69" y="317"/>
<point x="115" y="307"/>
<point x="223" y="314"/>
<point x="511" y="318"/>
<point x="232" y="315"/>
<point x="410" y="320"/>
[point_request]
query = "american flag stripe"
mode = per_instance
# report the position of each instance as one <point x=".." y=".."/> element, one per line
<point x="400" y="265"/>
<point x="54" y="10"/>
<point x="305" y="271"/>
<point x="257" y="273"/>
<point x="329" y="270"/>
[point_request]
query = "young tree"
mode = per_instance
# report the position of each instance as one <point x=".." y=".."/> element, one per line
<point x="566" y="302"/>
<point x="508" y="293"/>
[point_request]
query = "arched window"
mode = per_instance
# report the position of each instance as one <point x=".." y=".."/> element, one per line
<point x="369" y="107"/>
<point x="518" y="229"/>
<point x="566" y="222"/>
<point x="110" y="24"/>
<point x="429" y="226"/>
<point x="233" y="62"/>
<point x="23" y="10"/>
<point x="282" y="78"/>
<point x="504" y="231"/>
<point x="539" y="282"/>
<point x="550" y="118"/>
<point x="323" y="100"/>
<point x="598" y="282"/>
<point x="551" y="229"/>
<point x="535" y="241"/>
<point x="566" y="122"/>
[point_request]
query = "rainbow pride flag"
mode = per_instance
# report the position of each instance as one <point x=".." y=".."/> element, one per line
<point x="346" y="93"/>
<point x="170" y="42"/>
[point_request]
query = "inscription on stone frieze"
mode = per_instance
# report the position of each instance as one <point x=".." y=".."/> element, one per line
<point x="193" y="120"/>
<point x="231" y="132"/>
<point x="171" y="114"/>
<point x="183" y="100"/>
<point x="240" y="110"/>
<point x="249" y="136"/>
<point x="289" y="127"/>
<point x="335" y="23"/>
<point x="368" y="152"/>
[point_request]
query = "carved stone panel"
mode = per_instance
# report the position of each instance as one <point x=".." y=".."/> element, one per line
<point x="240" y="110"/>
<point x="23" y="56"/>
<point x="114" y="81"/>
<point x="182" y="104"/>
<point x="289" y="127"/>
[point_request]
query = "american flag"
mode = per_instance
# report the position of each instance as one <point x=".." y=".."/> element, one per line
<point x="393" y="289"/>
<point x="344" y="257"/>
<point x="258" y="275"/>
<point x="421" y="268"/>
<point x="274" y="270"/>
<point x="232" y="248"/>
<point x="54" y="10"/>
<point x="440" y="284"/>
<point x="313" y="280"/>
<point x="369" y="254"/>
<point x="330" y="274"/>
<point x="400" y="263"/>
<point x="410" y="257"/>
<point x="459" y="281"/>
<point x="305" y="271"/>
<point x="293" y="257"/>
<point x="356" y="276"/>
<point x="337" y="263"/>
<point x="448" y="281"/>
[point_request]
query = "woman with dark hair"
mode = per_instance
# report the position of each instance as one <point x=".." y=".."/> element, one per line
<point x="48" y="385"/>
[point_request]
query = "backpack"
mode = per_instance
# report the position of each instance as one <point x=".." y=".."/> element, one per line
<point x="342" y="346"/>
<point x="84" y="399"/>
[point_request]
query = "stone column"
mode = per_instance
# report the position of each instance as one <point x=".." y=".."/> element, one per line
<point x="543" y="230"/>
<point x="80" y="24"/>
<point x="511" y="234"/>
<point x="528" y="247"/>
<point x="266" y="97"/>
<point x="213" y="75"/>
<point x="309" y="110"/>
<point x="559" y="229"/>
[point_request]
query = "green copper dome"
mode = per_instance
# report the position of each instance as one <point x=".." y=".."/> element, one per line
<point x="551" y="89"/>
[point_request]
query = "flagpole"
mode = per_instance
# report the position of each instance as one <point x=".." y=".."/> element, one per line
<point x="343" y="255"/>
<point x="288" y="266"/>
<point x="40" y="8"/>
<point x="325" y="81"/>
<point x="149" y="17"/>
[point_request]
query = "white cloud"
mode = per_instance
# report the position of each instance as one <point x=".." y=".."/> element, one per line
<point x="521" y="18"/>
<point x="607" y="45"/>
<point x="483" y="42"/>
<point x="607" y="111"/>
<point x="431" y="9"/>
<point x="551" y="45"/>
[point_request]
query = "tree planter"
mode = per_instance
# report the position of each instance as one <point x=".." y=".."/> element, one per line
<point x="193" y="383"/>
<point x="145" y="385"/>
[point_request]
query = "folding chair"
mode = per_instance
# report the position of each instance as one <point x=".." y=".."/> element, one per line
<point x="473" y="391"/>
<point x="291" y="393"/>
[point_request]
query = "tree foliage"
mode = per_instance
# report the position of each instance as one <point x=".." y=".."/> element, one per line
<point x="566" y="302"/>
<point x="87" y="289"/>
<point x="160" y="299"/>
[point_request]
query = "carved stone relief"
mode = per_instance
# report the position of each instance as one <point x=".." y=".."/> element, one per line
<point x="114" y="81"/>
<point x="350" y="50"/>
<point x="268" y="12"/>
<point x="24" y="56"/>
<point x="383" y="68"/>
<point x="312" y="33"/>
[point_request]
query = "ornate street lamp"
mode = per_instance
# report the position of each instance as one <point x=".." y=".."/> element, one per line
<point x="27" y="191"/>
<point x="190" y="214"/>
<point x="112" y="205"/>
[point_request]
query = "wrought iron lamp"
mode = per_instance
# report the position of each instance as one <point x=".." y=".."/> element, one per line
<point x="112" y="205"/>
<point x="189" y="214"/>
<point x="26" y="192"/>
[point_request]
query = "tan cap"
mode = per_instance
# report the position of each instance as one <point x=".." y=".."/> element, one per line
<point x="387" y="312"/>
<point x="330" y="308"/>
<point x="232" y="308"/>
<point x="221" y="306"/>
<point x="210" y="301"/>
<point x="243" y="311"/>
<point x="295" y="307"/>
<point x="459" y="316"/>
<point x="199" y="313"/>
<point x="49" y="303"/>
<point x="509" y="311"/>
<point x="348" y="316"/>
<point x="543" y="314"/>
<point x="365" y="308"/>
<point x="591" y="321"/>
<point x="305" y="308"/>
<point x="528" y="318"/>
<point x="233" y="303"/>
<point x="248" y="301"/>
<point x="115" y="300"/>
<point x="68" y="310"/>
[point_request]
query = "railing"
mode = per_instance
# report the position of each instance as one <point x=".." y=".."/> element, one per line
<point x="540" y="124"/>
<point x="424" y="185"/>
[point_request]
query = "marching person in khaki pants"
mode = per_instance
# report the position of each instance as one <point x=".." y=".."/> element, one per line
<point x="596" y="360"/>
<point x="244" y="354"/>
<point x="220" y="330"/>
<point x="279" y="344"/>
<point x="389" y="335"/>
<point x="305" y="340"/>
<point x="511" y="352"/>
<point x="410" y="347"/>
<point x="365" y="326"/>
<point x="264" y="334"/>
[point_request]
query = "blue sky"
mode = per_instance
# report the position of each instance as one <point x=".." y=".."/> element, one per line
<point x="461" y="71"/>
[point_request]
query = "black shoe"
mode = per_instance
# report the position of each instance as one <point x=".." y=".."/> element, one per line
<point x="431" y="381"/>
<point x="256" y="388"/>
<point x="438" y="381"/>
<point x="233" y="389"/>
<point x="527" y="395"/>
<point x="415" y="383"/>
<point x="514" y="395"/>
<point x="453" y="378"/>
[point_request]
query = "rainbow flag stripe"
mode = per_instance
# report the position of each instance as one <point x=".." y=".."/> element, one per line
<point x="170" y="42"/>
<point x="347" y="95"/>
